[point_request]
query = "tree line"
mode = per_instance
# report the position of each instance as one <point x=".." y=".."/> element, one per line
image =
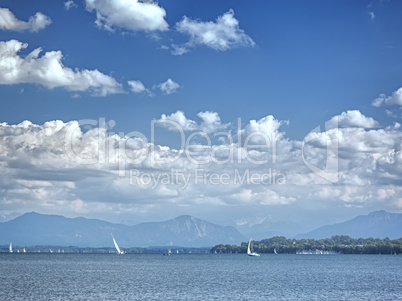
<point x="338" y="244"/>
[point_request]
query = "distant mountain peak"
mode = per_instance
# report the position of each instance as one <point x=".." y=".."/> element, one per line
<point x="184" y="217"/>
<point x="377" y="224"/>
<point x="382" y="215"/>
<point x="378" y="213"/>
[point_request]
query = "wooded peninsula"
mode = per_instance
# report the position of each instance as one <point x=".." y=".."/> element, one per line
<point x="341" y="244"/>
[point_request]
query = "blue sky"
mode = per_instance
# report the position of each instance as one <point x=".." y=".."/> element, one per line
<point x="302" y="63"/>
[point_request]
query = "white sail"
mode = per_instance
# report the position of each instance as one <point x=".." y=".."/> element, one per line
<point x="249" y="252"/>
<point x="117" y="246"/>
<point x="24" y="251"/>
<point x="275" y="251"/>
<point x="11" y="247"/>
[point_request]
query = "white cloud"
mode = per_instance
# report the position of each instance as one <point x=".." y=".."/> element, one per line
<point x="389" y="113"/>
<point x="221" y="35"/>
<point x="384" y="193"/>
<point x="180" y="119"/>
<point x="168" y="87"/>
<point x="271" y="197"/>
<point x="264" y="129"/>
<point x="264" y="197"/>
<point x="40" y="171"/>
<point x="211" y="122"/>
<point x="372" y="15"/>
<point x="137" y="86"/>
<point x="268" y="124"/>
<point x="8" y="21"/>
<point x="69" y="4"/>
<point x="131" y="15"/>
<point x="179" y="50"/>
<point x="354" y="144"/>
<point x="48" y="70"/>
<point x="394" y="99"/>
<point x="352" y="118"/>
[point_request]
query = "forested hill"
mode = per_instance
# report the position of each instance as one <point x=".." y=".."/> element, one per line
<point x="338" y="244"/>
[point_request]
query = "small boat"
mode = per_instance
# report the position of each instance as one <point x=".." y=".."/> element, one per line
<point x="275" y="251"/>
<point x="249" y="252"/>
<point x="24" y="251"/>
<point x="117" y="246"/>
<point x="10" y="249"/>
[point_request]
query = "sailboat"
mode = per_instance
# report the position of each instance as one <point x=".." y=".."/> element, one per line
<point x="117" y="246"/>
<point x="249" y="253"/>
<point x="275" y="251"/>
<point x="11" y="247"/>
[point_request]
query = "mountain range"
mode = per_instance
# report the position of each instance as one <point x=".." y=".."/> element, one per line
<point x="33" y="228"/>
<point x="378" y="224"/>
<point x="186" y="231"/>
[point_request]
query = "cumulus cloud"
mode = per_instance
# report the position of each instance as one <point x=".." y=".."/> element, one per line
<point x="360" y="156"/>
<point x="221" y="35"/>
<point x="169" y="86"/>
<point x="178" y="118"/>
<point x="263" y="130"/>
<point x="352" y="118"/>
<point x="211" y="122"/>
<point x="132" y="15"/>
<point x="268" y="124"/>
<point x="8" y="21"/>
<point x="394" y="99"/>
<point x="48" y="70"/>
<point x="60" y="166"/>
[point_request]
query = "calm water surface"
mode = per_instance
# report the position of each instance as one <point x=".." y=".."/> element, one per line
<point x="199" y="277"/>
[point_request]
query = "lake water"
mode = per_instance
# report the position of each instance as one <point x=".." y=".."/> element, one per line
<point x="199" y="277"/>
